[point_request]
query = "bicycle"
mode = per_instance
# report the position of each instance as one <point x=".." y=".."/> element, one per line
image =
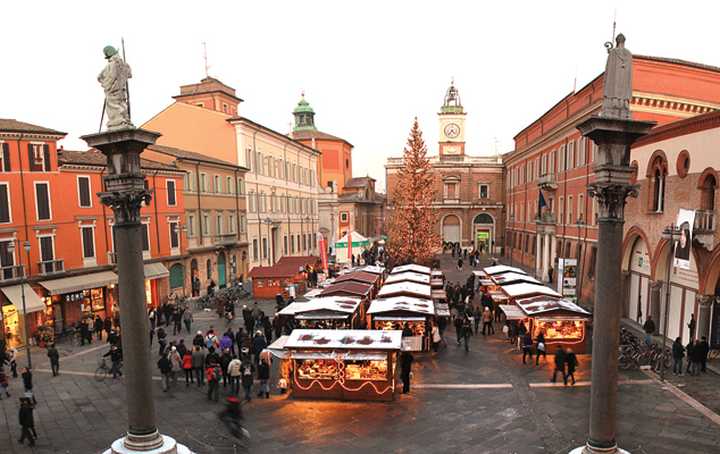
<point x="103" y="371"/>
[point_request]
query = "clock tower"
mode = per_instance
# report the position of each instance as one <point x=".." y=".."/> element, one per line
<point x="452" y="125"/>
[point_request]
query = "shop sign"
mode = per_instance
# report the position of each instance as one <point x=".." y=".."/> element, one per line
<point x="567" y="270"/>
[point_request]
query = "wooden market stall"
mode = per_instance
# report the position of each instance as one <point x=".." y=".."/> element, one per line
<point x="269" y="281"/>
<point x="330" y="312"/>
<point x="343" y="364"/>
<point x="526" y="290"/>
<point x="408" y="276"/>
<point x="365" y="292"/>
<point x="405" y="289"/>
<point x="411" y="267"/>
<point x="399" y="311"/>
<point x="361" y="277"/>
<point x="437" y="279"/>
<point x="562" y="322"/>
<point x="513" y="278"/>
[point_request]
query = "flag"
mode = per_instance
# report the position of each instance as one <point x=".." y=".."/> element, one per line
<point x="541" y="202"/>
<point x="349" y="245"/>
<point x="323" y="252"/>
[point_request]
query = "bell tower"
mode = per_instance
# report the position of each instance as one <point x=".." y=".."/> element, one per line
<point x="451" y="119"/>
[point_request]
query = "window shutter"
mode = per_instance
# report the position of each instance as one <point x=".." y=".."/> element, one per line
<point x="145" y="239"/>
<point x="43" y="202"/>
<point x="31" y="157"/>
<point x="4" y="204"/>
<point x="6" y="157"/>
<point x="88" y="247"/>
<point x="46" y="157"/>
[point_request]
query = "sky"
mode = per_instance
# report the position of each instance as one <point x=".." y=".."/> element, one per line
<point x="367" y="67"/>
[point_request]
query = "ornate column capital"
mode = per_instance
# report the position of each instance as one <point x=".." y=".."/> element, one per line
<point x="611" y="199"/>
<point x="705" y="300"/>
<point x="126" y="205"/>
<point x="656" y="285"/>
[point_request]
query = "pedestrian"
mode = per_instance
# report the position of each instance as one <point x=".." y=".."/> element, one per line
<point x="258" y="345"/>
<point x="187" y="318"/>
<point x="487" y="319"/>
<point x="540" y="348"/>
<point x="477" y="317"/>
<point x="678" y="353"/>
<point x="107" y="325"/>
<point x="248" y="372"/>
<point x="697" y="357"/>
<point x="12" y="359"/>
<point x="85" y="333"/>
<point x="152" y="317"/>
<point x="54" y="356"/>
<point x="406" y="360"/>
<point x="3" y="383"/>
<point x="27" y="422"/>
<point x="162" y="340"/>
<point x="406" y="331"/>
<point x="527" y="344"/>
<point x="115" y="355"/>
<point x="198" y="364"/>
<point x="571" y="362"/>
<point x="198" y="340"/>
<point x="691" y="326"/>
<point x="27" y="380"/>
<point x="176" y="361"/>
<point x="212" y="373"/>
<point x="458" y="328"/>
<point x="649" y="328"/>
<point x="559" y="365"/>
<point x="459" y="264"/>
<point x="264" y="377"/>
<point x="436" y="337"/>
<point x="187" y="366"/>
<point x="181" y="348"/>
<point x="703" y="354"/>
<point x="165" y="366"/>
<point x="98" y="327"/>
<point x="177" y="320"/>
<point x="690" y="350"/>
<point x="234" y="374"/>
<point x="152" y="335"/>
<point x="225" y="359"/>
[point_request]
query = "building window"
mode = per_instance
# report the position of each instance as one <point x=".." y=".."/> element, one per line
<point x="255" y="250"/>
<point x="216" y="184"/>
<point x="5" y="156"/>
<point x="88" y="242"/>
<point x="203" y="182"/>
<point x="570" y="207"/>
<point x="240" y="186"/>
<point x="47" y="254"/>
<point x="561" y="210"/>
<point x="205" y="224"/>
<point x="189" y="181"/>
<point x="251" y="201"/>
<point x="582" y="150"/>
<point x="174" y="235"/>
<point x="145" y="237"/>
<point x="292" y="244"/>
<point x="264" y="248"/>
<point x="231" y="223"/>
<point x="243" y="221"/>
<point x="658" y="190"/>
<point x="170" y="192"/>
<point x="304" y="243"/>
<point x="218" y="225"/>
<point x="229" y="185"/>
<point x="581" y="209"/>
<point x="285" y="244"/>
<point x="707" y="195"/>
<point x="42" y="201"/>
<point x="591" y="265"/>
<point x="5" y="210"/>
<point x="39" y="157"/>
<point x="191" y="226"/>
<point x="484" y="191"/>
<point x="451" y="190"/>
<point x="84" y="198"/>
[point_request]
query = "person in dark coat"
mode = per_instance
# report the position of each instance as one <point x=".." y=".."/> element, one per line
<point x="162" y="340"/>
<point x="263" y="374"/>
<point x="527" y="344"/>
<point x="258" y="345"/>
<point x="98" y="327"/>
<point x="697" y="357"/>
<point x="27" y="422"/>
<point x="54" y="357"/>
<point x="116" y="357"/>
<point x="85" y="333"/>
<point x="406" y="331"/>
<point x="649" y="328"/>
<point x="571" y="362"/>
<point x="559" y="365"/>
<point x="690" y="349"/>
<point x="406" y="360"/>
<point x="540" y="348"/>
<point x="27" y="380"/>
<point x="678" y="353"/>
<point x="198" y="365"/>
<point x="107" y="325"/>
<point x="703" y="353"/>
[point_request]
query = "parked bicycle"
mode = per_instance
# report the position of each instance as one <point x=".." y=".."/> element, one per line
<point x="103" y="371"/>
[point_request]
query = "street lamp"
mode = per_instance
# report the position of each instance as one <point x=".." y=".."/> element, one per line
<point x="23" y="281"/>
<point x="671" y="234"/>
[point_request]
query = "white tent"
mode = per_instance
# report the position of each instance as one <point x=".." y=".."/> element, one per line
<point x="359" y="244"/>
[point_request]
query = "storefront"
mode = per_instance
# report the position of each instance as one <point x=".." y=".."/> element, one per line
<point x="38" y="316"/>
<point x="399" y="312"/>
<point x="561" y="321"/>
<point x="157" y="283"/>
<point x="330" y="312"/>
<point x="343" y="364"/>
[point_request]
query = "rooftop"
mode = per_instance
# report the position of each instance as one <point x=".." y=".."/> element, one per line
<point x="12" y="125"/>
<point x="285" y="267"/>
<point x="189" y="155"/>
<point x="207" y="85"/>
<point x="405" y="288"/>
<point x="351" y="339"/>
<point x="309" y="134"/>
<point x="93" y="157"/>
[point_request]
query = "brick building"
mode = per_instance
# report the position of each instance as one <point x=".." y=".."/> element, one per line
<point x="468" y="189"/>
<point x="361" y="209"/>
<point x="551" y="158"/>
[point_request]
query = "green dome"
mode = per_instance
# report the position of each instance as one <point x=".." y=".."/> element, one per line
<point x="303" y="106"/>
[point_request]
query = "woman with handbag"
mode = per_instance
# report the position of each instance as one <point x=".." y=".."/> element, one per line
<point x="540" y="348"/>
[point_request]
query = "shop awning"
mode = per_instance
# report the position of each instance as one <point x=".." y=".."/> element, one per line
<point x="512" y="312"/>
<point x="82" y="282"/>
<point x="33" y="303"/>
<point x="155" y="271"/>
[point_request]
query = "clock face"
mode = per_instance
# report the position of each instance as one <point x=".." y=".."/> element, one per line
<point x="452" y="130"/>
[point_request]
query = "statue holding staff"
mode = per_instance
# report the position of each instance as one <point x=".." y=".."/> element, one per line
<point x="113" y="79"/>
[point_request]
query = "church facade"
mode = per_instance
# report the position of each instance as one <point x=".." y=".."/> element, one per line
<point x="468" y="193"/>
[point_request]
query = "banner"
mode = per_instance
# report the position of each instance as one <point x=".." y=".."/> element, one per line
<point x="322" y="245"/>
<point x="685" y="222"/>
<point x="567" y="277"/>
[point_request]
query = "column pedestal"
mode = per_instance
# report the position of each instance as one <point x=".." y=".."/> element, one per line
<point x="591" y="450"/>
<point x="169" y="446"/>
<point x="703" y="319"/>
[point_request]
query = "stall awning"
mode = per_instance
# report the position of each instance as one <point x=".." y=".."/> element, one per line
<point x="33" y="303"/>
<point x="512" y="312"/>
<point x="82" y="282"/>
<point x="322" y="316"/>
<point x="400" y="318"/>
<point x="155" y="271"/>
<point x="277" y="348"/>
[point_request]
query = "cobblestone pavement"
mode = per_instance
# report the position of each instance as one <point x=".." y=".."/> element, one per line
<point x="484" y="401"/>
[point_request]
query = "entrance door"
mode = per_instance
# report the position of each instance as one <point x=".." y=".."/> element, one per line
<point x="451" y="229"/>
<point x="221" y="270"/>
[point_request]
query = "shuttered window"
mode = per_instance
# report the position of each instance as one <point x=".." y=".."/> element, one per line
<point x="171" y="192"/>
<point x="46" y="249"/>
<point x="88" y="242"/>
<point x="39" y="157"/>
<point x="42" y="201"/>
<point x="4" y="202"/>
<point x="145" y="238"/>
<point x="84" y="192"/>
<point x="5" y="158"/>
<point x="174" y="238"/>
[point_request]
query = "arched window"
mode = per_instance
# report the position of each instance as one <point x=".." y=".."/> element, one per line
<point x="657" y="173"/>
<point x="707" y="196"/>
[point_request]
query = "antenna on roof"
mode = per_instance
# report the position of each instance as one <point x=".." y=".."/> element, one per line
<point x="205" y="58"/>
<point x="612" y="38"/>
<point x="575" y="79"/>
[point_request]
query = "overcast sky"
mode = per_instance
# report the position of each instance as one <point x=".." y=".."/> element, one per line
<point x="367" y="67"/>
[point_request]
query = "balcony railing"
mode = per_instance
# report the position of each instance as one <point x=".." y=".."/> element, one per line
<point x="547" y="181"/>
<point x="51" y="266"/>
<point x="704" y="221"/>
<point x="112" y="257"/>
<point x="546" y="218"/>
<point x="11" y="272"/>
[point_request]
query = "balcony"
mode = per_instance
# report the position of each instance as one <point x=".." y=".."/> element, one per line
<point x="51" y="266"/>
<point x="704" y="222"/>
<point x="225" y="238"/>
<point x="10" y="272"/>
<point x="546" y="218"/>
<point x="547" y="182"/>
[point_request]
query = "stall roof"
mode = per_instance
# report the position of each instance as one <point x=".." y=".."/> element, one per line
<point x="405" y="288"/>
<point x="542" y="304"/>
<point x="313" y="293"/>
<point x="411" y="267"/>
<point x="351" y="339"/>
<point x="513" y="278"/>
<point x="408" y="276"/>
<point x="346" y="305"/>
<point x="33" y="303"/>
<point x="402" y="303"/>
<point x="348" y="289"/>
<point x="512" y="312"/>
<point x="379" y="270"/>
<point x="442" y="310"/>
<point x="287" y="266"/>
<point x="435" y="273"/>
<point x="277" y="347"/>
<point x="358" y="276"/>
<point x="525" y="289"/>
<point x="497" y="269"/>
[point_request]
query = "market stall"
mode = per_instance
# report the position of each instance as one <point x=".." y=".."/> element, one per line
<point x="352" y="244"/>
<point x="268" y="281"/>
<point x="437" y="279"/>
<point x="411" y="267"/>
<point x="360" y="277"/>
<point x="513" y="278"/>
<point x="497" y="269"/>
<point x="526" y="290"/>
<point x="408" y="276"/>
<point x="331" y="312"/>
<point x="405" y="289"/>
<point x="343" y="364"/>
<point x="365" y="292"/>
<point x="400" y="311"/>
<point x="561" y="321"/>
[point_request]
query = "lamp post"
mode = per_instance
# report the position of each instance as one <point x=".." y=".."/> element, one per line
<point x="671" y="234"/>
<point x="613" y="131"/>
<point x="23" y="281"/>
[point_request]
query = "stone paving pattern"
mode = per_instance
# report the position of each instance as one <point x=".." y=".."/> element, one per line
<point x="76" y="414"/>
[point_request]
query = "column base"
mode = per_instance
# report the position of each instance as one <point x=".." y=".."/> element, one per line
<point x="169" y="446"/>
<point x="590" y="450"/>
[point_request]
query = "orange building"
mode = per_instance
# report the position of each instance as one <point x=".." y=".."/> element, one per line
<point x="48" y="199"/>
<point x="552" y="158"/>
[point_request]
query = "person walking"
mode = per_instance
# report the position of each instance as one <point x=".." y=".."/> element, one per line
<point x="690" y="350"/>
<point x="559" y="365"/>
<point x="540" y="348"/>
<point x="225" y="359"/>
<point x="98" y="327"/>
<point x="187" y="318"/>
<point x="703" y="354"/>
<point x="162" y="340"/>
<point x="436" y="337"/>
<point x="165" y="366"/>
<point x="247" y="371"/>
<point x="649" y="328"/>
<point x="27" y="422"/>
<point x="12" y="360"/>
<point x="187" y="367"/>
<point x="115" y="355"/>
<point x="571" y="362"/>
<point x="477" y="317"/>
<point x="85" y="333"/>
<point x="107" y="326"/>
<point x="258" y="345"/>
<point x="678" y="353"/>
<point x="527" y="344"/>
<point x="487" y="319"/>
<point x="3" y="383"/>
<point x="264" y="377"/>
<point x="697" y="357"/>
<point x="54" y="356"/>
<point x="212" y="373"/>
<point x="198" y="365"/>
<point x="27" y="380"/>
<point x="177" y="363"/>
<point x="406" y="360"/>
<point x="234" y="374"/>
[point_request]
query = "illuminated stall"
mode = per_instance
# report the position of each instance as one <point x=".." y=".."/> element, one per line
<point x="343" y="364"/>
<point x="330" y="312"/>
<point x="561" y="321"/>
<point x="397" y="312"/>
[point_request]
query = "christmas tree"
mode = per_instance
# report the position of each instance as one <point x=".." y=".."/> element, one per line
<point x="412" y="231"/>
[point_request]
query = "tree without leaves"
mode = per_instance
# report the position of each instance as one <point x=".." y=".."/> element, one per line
<point x="412" y="234"/>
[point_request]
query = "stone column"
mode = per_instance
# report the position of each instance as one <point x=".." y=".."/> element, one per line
<point x="656" y="298"/>
<point x="538" y="249"/>
<point x="546" y="257"/>
<point x="703" y="320"/>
